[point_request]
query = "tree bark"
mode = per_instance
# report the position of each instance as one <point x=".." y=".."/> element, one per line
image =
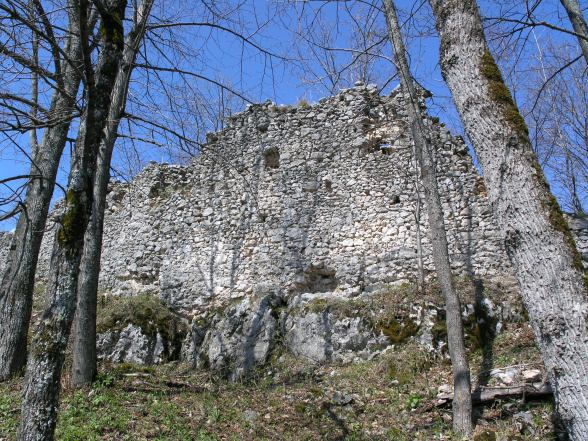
<point x="17" y="283"/>
<point x="462" y="403"/>
<point x="537" y="237"/>
<point x="42" y="381"/>
<point x="578" y="21"/>
<point x="84" y="366"/>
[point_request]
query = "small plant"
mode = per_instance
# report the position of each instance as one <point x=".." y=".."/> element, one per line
<point x="300" y="407"/>
<point x="414" y="400"/>
<point x="215" y="415"/>
<point x="405" y="369"/>
<point x="8" y="413"/>
<point x="396" y="434"/>
<point x="303" y="103"/>
<point x="104" y="379"/>
<point x="205" y="436"/>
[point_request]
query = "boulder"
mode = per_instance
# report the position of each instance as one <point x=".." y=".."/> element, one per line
<point x="323" y="334"/>
<point x="241" y="338"/>
<point x="309" y="336"/>
<point x="130" y="345"/>
<point x="138" y="329"/>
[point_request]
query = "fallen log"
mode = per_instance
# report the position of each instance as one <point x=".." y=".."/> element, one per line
<point x="488" y="394"/>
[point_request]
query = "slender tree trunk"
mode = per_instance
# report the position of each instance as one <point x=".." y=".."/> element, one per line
<point x="574" y="11"/>
<point x="417" y="219"/>
<point x="462" y="403"/>
<point x="16" y="286"/>
<point x="84" y="350"/>
<point x="42" y="382"/>
<point x="537" y="237"/>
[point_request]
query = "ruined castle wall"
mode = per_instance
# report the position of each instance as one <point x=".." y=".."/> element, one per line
<point x="290" y="200"/>
<point x="317" y="198"/>
<point x="5" y="243"/>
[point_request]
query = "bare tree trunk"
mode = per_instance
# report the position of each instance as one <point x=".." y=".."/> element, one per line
<point x="16" y="286"/>
<point x="42" y="382"/>
<point x="417" y="219"/>
<point x="537" y="237"/>
<point x="462" y="403"/>
<point x="574" y="11"/>
<point x="84" y="351"/>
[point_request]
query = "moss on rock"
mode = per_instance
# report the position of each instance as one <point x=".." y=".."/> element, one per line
<point x="398" y="331"/>
<point x="144" y="310"/>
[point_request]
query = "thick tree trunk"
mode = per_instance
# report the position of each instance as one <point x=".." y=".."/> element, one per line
<point x="84" y="366"/>
<point x="42" y="382"/>
<point x="16" y="286"/>
<point x="574" y="11"/>
<point x="462" y="403"/>
<point x="84" y="351"/>
<point x="536" y="235"/>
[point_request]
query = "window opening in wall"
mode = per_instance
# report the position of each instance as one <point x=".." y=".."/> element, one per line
<point x="328" y="185"/>
<point x="384" y="147"/>
<point x="272" y="158"/>
<point x="318" y="278"/>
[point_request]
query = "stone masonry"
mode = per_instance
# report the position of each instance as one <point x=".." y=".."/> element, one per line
<point x="293" y="200"/>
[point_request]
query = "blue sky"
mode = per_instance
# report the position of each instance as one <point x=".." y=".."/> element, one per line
<point x="225" y="58"/>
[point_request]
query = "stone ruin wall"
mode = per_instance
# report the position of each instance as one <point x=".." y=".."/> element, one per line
<point x="290" y="200"/>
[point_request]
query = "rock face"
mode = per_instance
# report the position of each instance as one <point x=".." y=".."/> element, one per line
<point x="138" y="329"/>
<point x="320" y="334"/>
<point x="130" y="345"/>
<point x="320" y="328"/>
<point x="239" y="339"/>
<point x="303" y="205"/>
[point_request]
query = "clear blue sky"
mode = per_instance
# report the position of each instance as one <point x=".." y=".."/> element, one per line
<point x="274" y="26"/>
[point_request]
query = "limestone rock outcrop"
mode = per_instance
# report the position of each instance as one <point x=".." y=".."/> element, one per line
<point x="241" y="338"/>
<point x="130" y="345"/>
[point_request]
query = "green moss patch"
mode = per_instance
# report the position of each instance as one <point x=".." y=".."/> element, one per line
<point x="145" y="310"/>
<point x="398" y="331"/>
<point x="501" y="95"/>
<point x="72" y="222"/>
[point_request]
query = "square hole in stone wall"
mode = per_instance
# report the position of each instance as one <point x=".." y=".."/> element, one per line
<point x="272" y="158"/>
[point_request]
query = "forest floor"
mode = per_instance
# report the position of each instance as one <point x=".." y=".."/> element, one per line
<point x="389" y="398"/>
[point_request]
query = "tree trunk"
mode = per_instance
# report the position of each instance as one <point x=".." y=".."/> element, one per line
<point x="462" y="403"/>
<point x="574" y="11"/>
<point x="537" y="237"/>
<point x="84" y="350"/>
<point x="42" y="382"/>
<point x="16" y="286"/>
